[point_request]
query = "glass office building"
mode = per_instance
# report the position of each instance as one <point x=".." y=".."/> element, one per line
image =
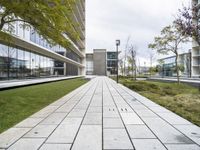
<point x="30" y="56"/>
<point x="111" y="63"/>
<point x="168" y="67"/>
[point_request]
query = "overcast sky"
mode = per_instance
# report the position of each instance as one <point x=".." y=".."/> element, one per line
<point x="108" y="20"/>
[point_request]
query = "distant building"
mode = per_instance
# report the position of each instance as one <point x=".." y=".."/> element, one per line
<point x="89" y="64"/>
<point x="111" y="63"/>
<point x="168" y="65"/>
<point x="101" y="62"/>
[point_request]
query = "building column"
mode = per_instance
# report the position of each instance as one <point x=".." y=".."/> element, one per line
<point x="65" y="65"/>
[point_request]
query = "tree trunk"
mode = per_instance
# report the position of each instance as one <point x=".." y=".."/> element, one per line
<point x="132" y="70"/>
<point x="1" y="24"/>
<point x="135" y="72"/>
<point x="125" y="66"/>
<point x="177" y="69"/>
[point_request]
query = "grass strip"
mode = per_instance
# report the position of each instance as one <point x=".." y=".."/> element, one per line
<point x="18" y="104"/>
<point x="182" y="99"/>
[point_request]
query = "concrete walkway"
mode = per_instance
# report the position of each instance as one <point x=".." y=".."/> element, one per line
<point x="102" y="115"/>
<point x="18" y="83"/>
<point x="194" y="82"/>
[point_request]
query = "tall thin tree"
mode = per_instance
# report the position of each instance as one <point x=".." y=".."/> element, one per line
<point x="169" y="41"/>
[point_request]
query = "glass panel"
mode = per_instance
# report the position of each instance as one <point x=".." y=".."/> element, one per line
<point x="33" y="35"/>
<point x="37" y="65"/>
<point x="111" y="55"/>
<point x="3" y="62"/>
<point x="12" y="62"/>
<point x="41" y="66"/>
<point x="20" y="30"/>
<point x="21" y="63"/>
<point x="32" y="65"/>
<point x="27" y="59"/>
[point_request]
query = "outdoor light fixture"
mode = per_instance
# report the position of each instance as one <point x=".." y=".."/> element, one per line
<point x="117" y="44"/>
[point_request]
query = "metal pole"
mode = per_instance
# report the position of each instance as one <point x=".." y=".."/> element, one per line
<point x="117" y="64"/>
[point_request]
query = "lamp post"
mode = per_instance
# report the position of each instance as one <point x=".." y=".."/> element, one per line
<point x="117" y="44"/>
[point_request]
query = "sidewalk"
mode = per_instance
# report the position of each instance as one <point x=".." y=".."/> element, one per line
<point x="18" y="83"/>
<point x="102" y="115"/>
<point x="194" y="82"/>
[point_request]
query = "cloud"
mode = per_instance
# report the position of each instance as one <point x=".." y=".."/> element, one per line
<point x="108" y="20"/>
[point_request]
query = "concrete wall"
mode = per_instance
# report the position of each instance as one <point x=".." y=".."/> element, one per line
<point x="99" y="58"/>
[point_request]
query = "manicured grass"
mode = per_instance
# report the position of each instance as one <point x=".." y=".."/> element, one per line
<point x="182" y="99"/>
<point x="18" y="104"/>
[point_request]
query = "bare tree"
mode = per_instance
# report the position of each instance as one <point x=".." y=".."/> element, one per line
<point x="121" y="66"/>
<point x="125" y="53"/>
<point x="133" y="52"/>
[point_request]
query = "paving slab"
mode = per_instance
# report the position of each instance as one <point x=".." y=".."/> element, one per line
<point x="10" y="136"/>
<point x="182" y="147"/>
<point x="29" y="123"/>
<point x="191" y="131"/>
<point x="148" y="144"/>
<point x="77" y="113"/>
<point x="116" y="139"/>
<point x="55" y="147"/>
<point x="165" y="132"/>
<point x="131" y="118"/>
<point x="94" y="110"/>
<point x="93" y="118"/>
<point x="140" y="132"/>
<point x="110" y="112"/>
<point x="112" y="123"/>
<point x="159" y="109"/>
<point x="27" y="144"/>
<point x="41" y="131"/>
<point x="174" y="119"/>
<point x="66" y="108"/>
<point x="146" y="113"/>
<point x="66" y="132"/>
<point x="54" y="118"/>
<point x="89" y="138"/>
<point x="44" y="112"/>
<point x="137" y="107"/>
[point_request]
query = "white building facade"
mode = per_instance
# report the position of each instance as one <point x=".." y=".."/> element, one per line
<point x="195" y="61"/>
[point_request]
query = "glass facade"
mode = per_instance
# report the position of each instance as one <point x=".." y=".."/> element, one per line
<point x="111" y="55"/>
<point x="112" y="62"/>
<point x="169" y="65"/>
<point x="17" y="63"/>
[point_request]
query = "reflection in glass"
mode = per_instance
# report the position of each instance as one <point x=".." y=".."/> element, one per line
<point x="18" y="63"/>
<point x="21" y="63"/>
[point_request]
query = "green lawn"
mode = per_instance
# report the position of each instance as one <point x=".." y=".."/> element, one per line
<point x="181" y="99"/>
<point x="18" y="104"/>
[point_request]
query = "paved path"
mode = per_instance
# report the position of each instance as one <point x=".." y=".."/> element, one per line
<point x="18" y="83"/>
<point x="102" y="115"/>
<point x="195" y="82"/>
